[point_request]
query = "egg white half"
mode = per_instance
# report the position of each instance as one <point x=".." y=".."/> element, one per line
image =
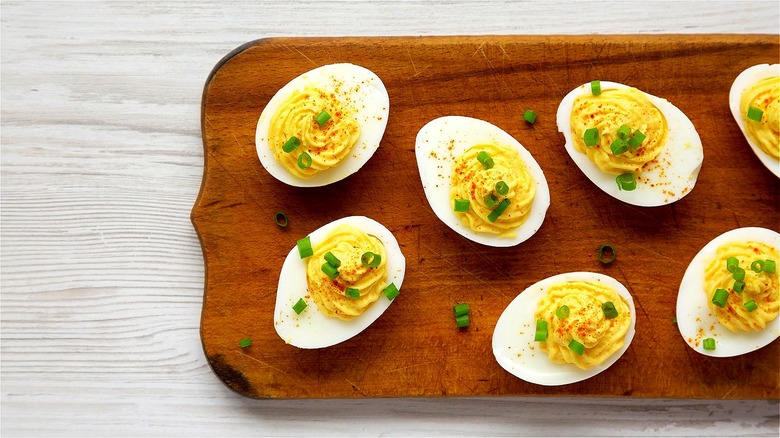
<point x="683" y="150"/>
<point x="745" y="80"/>
<point x="312" y="329"/>
<point x="440" y="142"/>
<point x="693" y="313"/>
<point x="513" y="338"/>
<point x="372" y="116"/>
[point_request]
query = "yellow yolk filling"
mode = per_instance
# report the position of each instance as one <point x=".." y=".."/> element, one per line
<point x="760" y="287"/>
<point x="764" y="95"/>
<point x="608" y="112"/>
<point x="586" y="322"/>
<point x="328" y="145"/>
<point x="348" y="244"/>
<point x="470" y="180"/>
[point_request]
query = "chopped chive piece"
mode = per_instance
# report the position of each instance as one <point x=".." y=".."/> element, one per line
<point x="461" y="309"/>
<point x="623" y="132"/>
<point x="291" y="144"/>
<point x="529" y="116"/>
<point x="281" y="219"/>
<point x="491" y="200"/>
<point x="485" y="159"/>
<point x="541" y="325"/>
<point x="322" y="118"/>
<point x="462" y="321"/>
<point x="610" y="312"/>
<point x="502" y="188"/>
<point x="493" y="216"/>
<point x="731" y="264"/>
<point x="330" y="271"/>
<point x="757" y="266"/>
<point x="610" y="251"/>
<point x="540" y="336"/>
<point x="636" y="139"/>
<point x="751" y="305"/>
<point x="332" y="260"/>
<point x="591" y="137"/>
<point x="299" y="306"/>
<point x="754" y="113"/>
<point x="391" y="291"/>
<point x="619" y="146"/>
<point x="462" y="205"/>
<point x="304" y="247"/>
<point x="708" y="344"/>
<point x="626" y="182"/>
<point x="304" y="160"/>
<point x="769" y="266"/>
<point x="738" y="274"/>
<point x="576" y="347"/>
<point x="739" y="286"/>
<point x="719" y="297"/>
<point x="562" y="312"/>
<point x="352" y="293"/>
<point x="244" y="342"/>
<point x="595" y="87"/>
<point x="370" y="259"/>
<point x="674" y="320"/>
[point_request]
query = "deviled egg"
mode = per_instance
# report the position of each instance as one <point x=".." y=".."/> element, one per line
<point x="634" y="146"/>
<point x="322" y="126"/>
<point x="565" y="328"/>
<point x="729" y="300"/>
<point x="480" y="181"/>
<point x="754" y="100"/>
<point x="337" y="281"/>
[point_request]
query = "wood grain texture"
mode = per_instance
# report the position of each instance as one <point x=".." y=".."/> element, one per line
<point x="415" y="348"/>
<point x="101" y="272"/>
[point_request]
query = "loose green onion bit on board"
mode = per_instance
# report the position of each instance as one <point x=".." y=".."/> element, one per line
<point x="304" y="247"/>
<point x="708" y="344"/>
<point x="611" y="253"/>
<point x="322" y="118"/>
<point x="626" y="182"/>
<point x="462" y="205"/>
<point x="719" y="297"/>
<point x="751" y="305"/>
<point x="529" y="116"/>
<point x="485" y="159"/>
<point x="391" y="291"/>
<point x="591" y="137"/>
<point x="755" y="114"/>
<point x="281" y="219"/>
<point x="244" y="342"/>
<point x="461" y="309"/>
<point x="576" y="347"/>
<point x="291" y="144"/>
<point x="299" y="306"/>
<point x="462" y="321"/>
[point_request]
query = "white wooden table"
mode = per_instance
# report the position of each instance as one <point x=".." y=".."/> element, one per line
<point x="102" y="275"/>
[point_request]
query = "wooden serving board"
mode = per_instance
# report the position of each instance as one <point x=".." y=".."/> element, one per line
<point x="415" y="349"/>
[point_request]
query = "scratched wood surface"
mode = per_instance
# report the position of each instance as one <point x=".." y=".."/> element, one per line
<point x="414" y="349"/>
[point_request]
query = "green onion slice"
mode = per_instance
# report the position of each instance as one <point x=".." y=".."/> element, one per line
<point x="732" y="263"/>
<point x="529" y="116"/>
<point x="719" y="297"/>
<point x="542" y="325"/>
<point x="491" y="200"/>
<point x="462" y="321"/>
<point x="595" y="87"/>
<point x="591" y="137"/>
<point x="739" y="286"/>
<point x="304" y="160"/>
<point x="322" y="118"/>
<point x="576" y="347"/>
<point x="626" y="182"/>
<point x="352" y="293"/>
<point x="619" y="146"/>
<point x="562" y="312"/>
<point x="610" y="312"/>
<point x="290" y="145"/>
<point x="493" y="216"/>
<point x="244" y="342"/>
<point x="485" y="159"/>
<point x="738" y="274"/>
<point x="757" y="266"/>
<point x="461" y="309"/>
<point x="769" y="266"/>
<point x="636" y="139"/>
<point x="540" y="336"/>
<point x="708" y="344"/>
<point x="332" y="260"/>
<point x="330" y="271"/>
<point x="281" y="219"/>
<point x="299" y="306"/>
<point x="623" y="132"/>
<point x="304" y="247"/>
<point x="390" y="291"/>
<point x="502" y="188"/>
<point x="611" y="253"/>
<point x="751" y="305"/>
<point x="370" y="259"/>
<point x="462" y="205"/>
<point x="755" y="114"/>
